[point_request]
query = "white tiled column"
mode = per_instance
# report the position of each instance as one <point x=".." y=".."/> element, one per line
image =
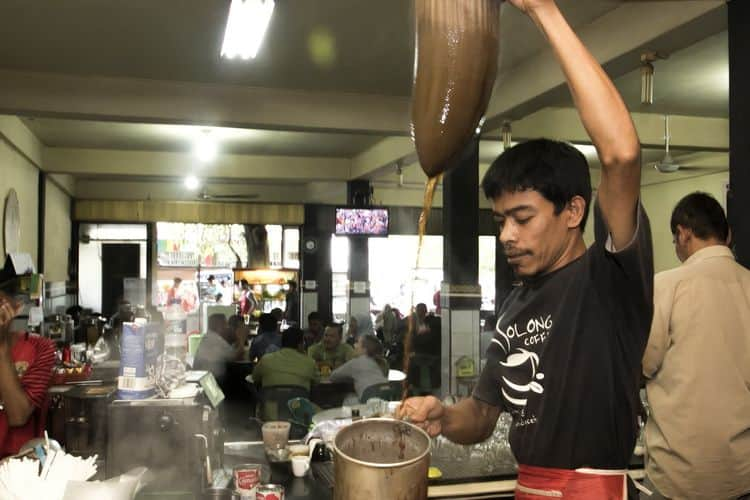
<point x="461" y="329"/>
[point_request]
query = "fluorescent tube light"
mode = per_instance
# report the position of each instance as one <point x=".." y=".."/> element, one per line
<point x="206" y="148"/>
<point x="192" y="182"/>
<point x="246" y="26"/>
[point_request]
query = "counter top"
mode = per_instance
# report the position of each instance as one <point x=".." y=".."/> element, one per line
<point x="462" y="476"/>
<point x="296" y="488"/>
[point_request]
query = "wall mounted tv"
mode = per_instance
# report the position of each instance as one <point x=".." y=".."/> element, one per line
<point x="361" y="221"/>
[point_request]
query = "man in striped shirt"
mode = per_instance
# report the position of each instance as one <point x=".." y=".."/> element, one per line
<point x="26" y="363"/>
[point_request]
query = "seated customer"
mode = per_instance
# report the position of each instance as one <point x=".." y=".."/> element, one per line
<point x="220" y="346"/>
<point x="368" y="368"/>
<point x="26" y="363"/>
<point x="314" y="331"/>
<point x="424" y="368"/>
<point x="287" y="366"/>
<point x="268" y="338"/>
<point x="330" y="353"/>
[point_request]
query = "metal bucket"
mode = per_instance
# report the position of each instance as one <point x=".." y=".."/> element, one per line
<point x="381" y="459"/>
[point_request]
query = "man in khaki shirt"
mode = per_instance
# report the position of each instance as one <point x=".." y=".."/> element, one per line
<point x="698" y="363"/>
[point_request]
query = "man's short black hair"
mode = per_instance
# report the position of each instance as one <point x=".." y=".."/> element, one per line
<point x="336" y="326"/>
<point x="267" y="322"/>
<point x="702" y="214"/>
<point x="555" y="169"/>
<point x="291" y="338"/>
<point x="217" y="322"/>
<point x="314" y="316"/>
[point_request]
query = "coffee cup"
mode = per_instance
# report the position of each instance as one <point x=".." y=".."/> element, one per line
<point x="300" y="465"/>
<point x="299" y="450"/>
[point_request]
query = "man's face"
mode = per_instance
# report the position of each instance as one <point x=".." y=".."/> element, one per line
<point x="533" y="236"/>
<point x="421" y="311"/>
<point x="331" y="338"/>
<point x="315" y="325"/>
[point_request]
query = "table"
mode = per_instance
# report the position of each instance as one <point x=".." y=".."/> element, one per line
<point x="461" y="478"/>
<point x="338" y="413"/>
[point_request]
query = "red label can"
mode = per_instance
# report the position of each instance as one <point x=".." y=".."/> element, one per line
<point x="246" y="476"/>
<point x="269" y="492"/>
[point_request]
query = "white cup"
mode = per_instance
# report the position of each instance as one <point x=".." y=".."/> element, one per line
<point x="300" y="465"/>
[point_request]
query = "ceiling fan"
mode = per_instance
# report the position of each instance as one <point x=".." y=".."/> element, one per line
<point x="206" y="196"/>
<point x="666" y="165"/>
<point x="669" y="164"/>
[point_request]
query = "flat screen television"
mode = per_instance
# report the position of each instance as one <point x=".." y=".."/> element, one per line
<point x="361" y="221"/>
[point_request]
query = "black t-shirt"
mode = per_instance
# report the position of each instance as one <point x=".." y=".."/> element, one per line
<point x="565" y="359"/>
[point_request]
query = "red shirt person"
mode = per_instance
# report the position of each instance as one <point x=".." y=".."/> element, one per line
<point x="26" y="364"/>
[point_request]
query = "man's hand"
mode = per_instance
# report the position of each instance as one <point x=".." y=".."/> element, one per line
<point x="9" y="308"/>
<point x="425" y="412"/>
<point x="17" y="405"/>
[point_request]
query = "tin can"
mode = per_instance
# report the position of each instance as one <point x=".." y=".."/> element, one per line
<point x="245" y="494"/>
<point x="246" y="476"/>
<point x="270" y="492"/>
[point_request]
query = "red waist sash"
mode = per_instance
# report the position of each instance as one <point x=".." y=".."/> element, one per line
<point x="543" y="483"/>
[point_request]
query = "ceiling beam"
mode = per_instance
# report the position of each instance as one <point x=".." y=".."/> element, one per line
<point x="104" y="162"/>
<point x="175" y="191"/>
<point x="152" y="101"/>
<point x="615" y="40"/>
<point x="686" y="132"/>
<point x="690" y="133"/>
<point x="383" y="154"/>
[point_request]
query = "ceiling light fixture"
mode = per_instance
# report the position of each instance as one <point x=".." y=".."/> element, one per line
<point x="206" y="148"/>
<point x="400" y="173"/>
<point x="506" y="133"/>
<point x="246" y="26"/>
<point x="192" y="182"/>
<point x="647" y="76"/>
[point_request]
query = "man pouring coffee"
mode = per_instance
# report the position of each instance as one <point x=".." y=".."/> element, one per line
<point x="565" y="357"/>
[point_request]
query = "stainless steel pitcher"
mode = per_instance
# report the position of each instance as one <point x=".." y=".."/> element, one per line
<point x="381" y="459"/>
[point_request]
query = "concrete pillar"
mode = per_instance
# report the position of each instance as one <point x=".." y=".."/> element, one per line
<point x="315" y="280"/>
<point x="359" y="194"/>
<point x="738" y="200"/>
<point x="460" y="294"/>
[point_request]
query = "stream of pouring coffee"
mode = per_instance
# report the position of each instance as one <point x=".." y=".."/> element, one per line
<point x="455" y="63"/>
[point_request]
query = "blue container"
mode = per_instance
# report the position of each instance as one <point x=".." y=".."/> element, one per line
<point x="140" y="347"/>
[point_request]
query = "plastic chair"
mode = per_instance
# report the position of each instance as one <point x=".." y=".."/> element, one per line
<point x="302" y="410"/>
<point x="383" y="391"/>
<point x="274" y="401"/>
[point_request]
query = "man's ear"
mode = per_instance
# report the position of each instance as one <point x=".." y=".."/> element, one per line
<point x="683" y="234"/>
<point x="575" y="210"/>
